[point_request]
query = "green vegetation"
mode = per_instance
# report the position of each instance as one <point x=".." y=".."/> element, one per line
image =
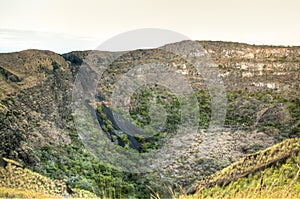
<point x="75" y="165"/>
<point x="253" y="162"/>
<point x="16" y="181"/>
<point x="265" y="110"/>
<point x="143" y="99"/>
<point x="37" y="124"/>
<point x="270" y="173"/>
<point x="81" y="170"/>
<point x="278" y="181"/>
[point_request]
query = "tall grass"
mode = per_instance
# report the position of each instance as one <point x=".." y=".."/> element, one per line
<point x="270" y="173"/>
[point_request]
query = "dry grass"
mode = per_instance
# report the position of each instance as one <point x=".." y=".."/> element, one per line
<point x="19" y="182"/>
<point x="277" y="180"/>
<point x="272" y="183"/>
<point x="6" y="192"/>
<point x="252" y="163"/>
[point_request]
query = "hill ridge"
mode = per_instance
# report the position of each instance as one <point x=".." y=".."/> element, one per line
<point x="251" y="163"/>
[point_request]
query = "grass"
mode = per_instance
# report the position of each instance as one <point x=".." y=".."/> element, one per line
<point x="278" y="181"/>
<point x="6" y="192"/>
<point x="20" y="76"/>
<point x="270" y="173"/>
<point x="16" y="181"/>
<point x="254" y="162"/>
<point x="34" y="66"/>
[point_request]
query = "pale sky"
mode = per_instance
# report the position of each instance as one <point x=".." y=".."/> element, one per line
<point x="66" y="25"/>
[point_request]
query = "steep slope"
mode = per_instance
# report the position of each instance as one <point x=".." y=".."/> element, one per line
<point x="35" y="112"/>
<point x="262" y="86"/>
<point x="273" y="172"/>
<point x="37" y="126"/>
<point x="16" y="181"/>
<point x="26" y="69"/>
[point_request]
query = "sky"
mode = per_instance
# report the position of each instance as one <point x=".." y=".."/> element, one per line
<point x="67" y="25"/>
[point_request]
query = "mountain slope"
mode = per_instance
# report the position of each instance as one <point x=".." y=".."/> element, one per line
<point x="16" y="181"/>
<point x="273" y="172"/>
<point x="37" y="125"/>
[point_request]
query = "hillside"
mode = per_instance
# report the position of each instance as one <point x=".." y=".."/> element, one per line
<point x="267" y="174"/>
<point x="273" y="172"/>
<point x="17" y="181"/>
<point x="38" y="126"/>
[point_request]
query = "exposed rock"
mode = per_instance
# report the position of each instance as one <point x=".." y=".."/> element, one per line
<point x="36" y="102"/>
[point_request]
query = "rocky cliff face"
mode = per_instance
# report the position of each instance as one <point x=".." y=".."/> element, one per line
<point x="262" y="88"/>
<point x="256" y="67"/>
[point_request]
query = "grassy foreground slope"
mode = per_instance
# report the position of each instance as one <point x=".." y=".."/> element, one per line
<point x="19" y="182"/>
<point x="273" y="172"/>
